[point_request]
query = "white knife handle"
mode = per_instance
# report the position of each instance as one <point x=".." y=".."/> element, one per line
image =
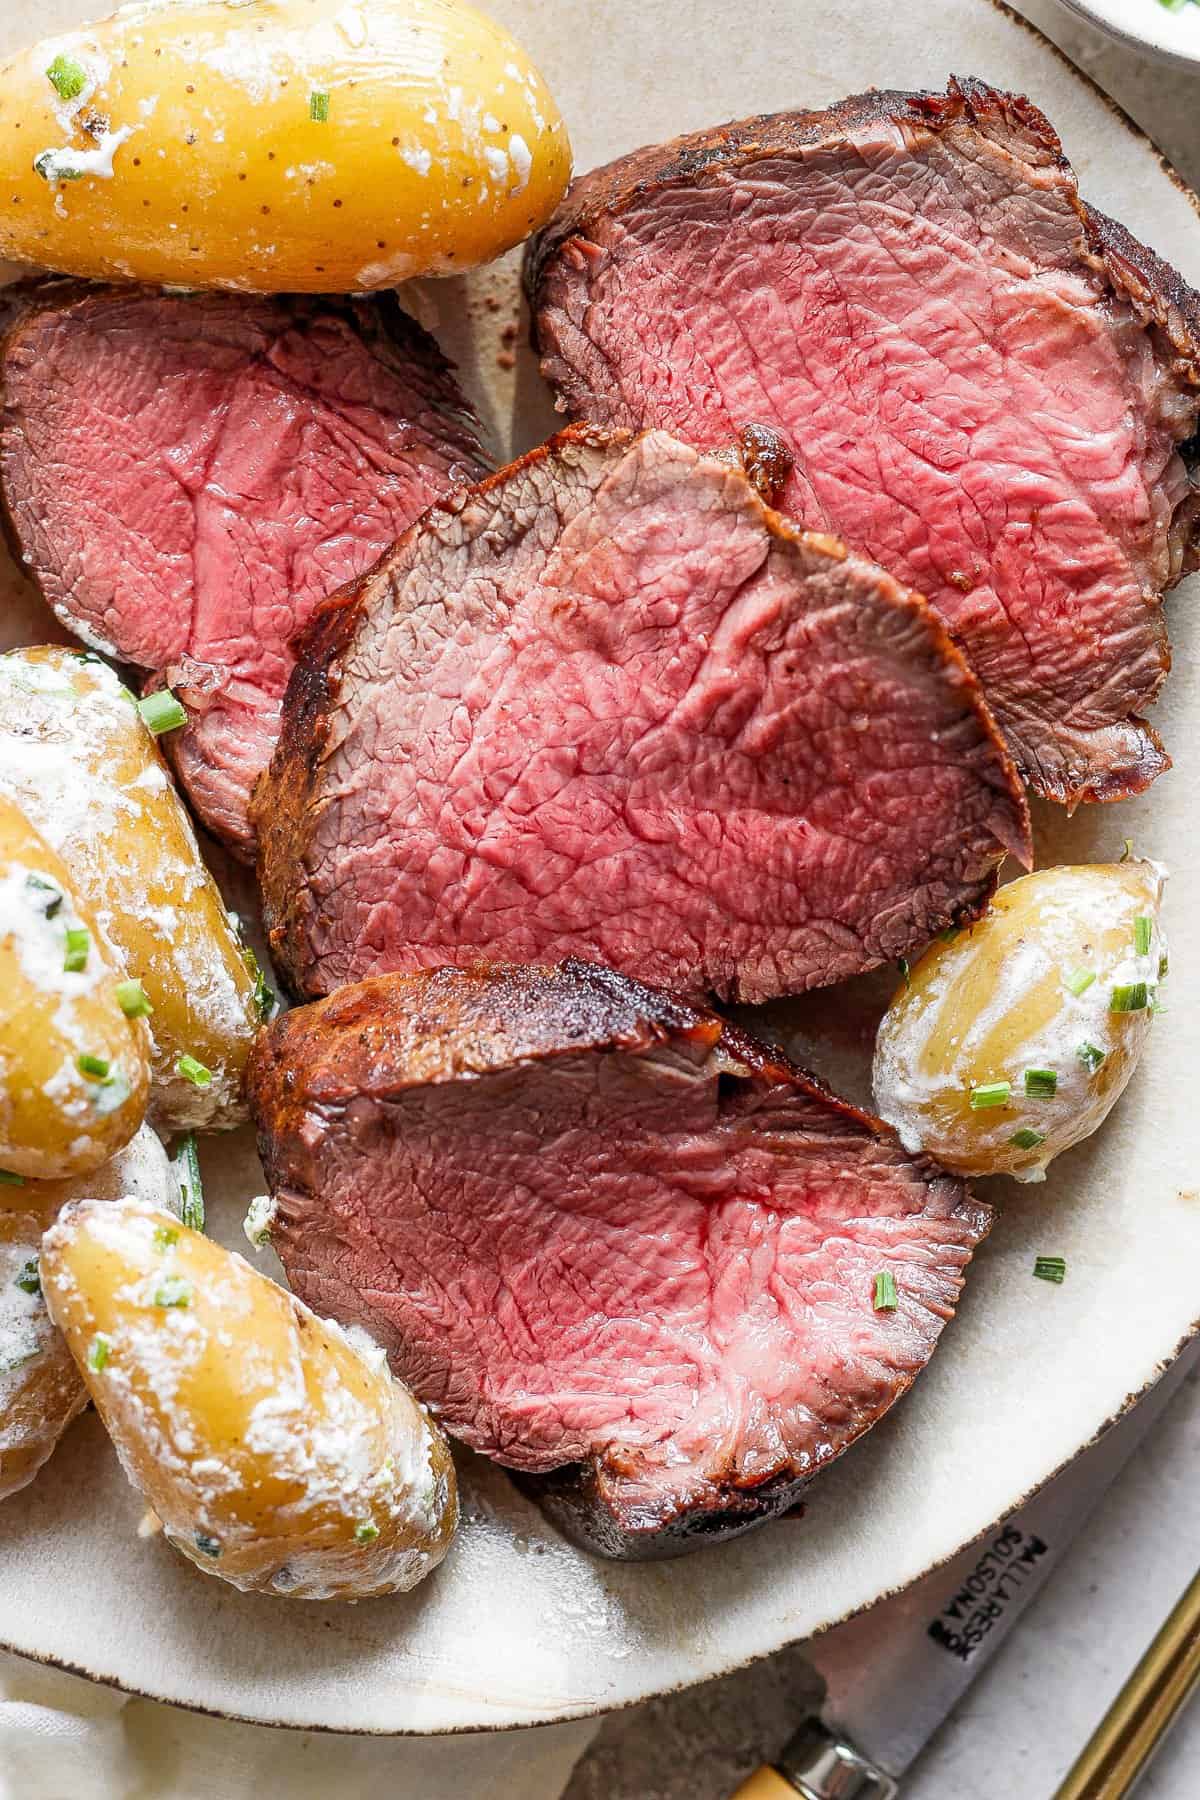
<point x="818" y="1765"/>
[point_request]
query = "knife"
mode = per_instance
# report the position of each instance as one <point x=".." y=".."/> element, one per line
<point x="881" y="1709"/>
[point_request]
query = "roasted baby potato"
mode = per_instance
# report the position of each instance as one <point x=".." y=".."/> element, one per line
<point x="41" y="1390"/>
<point x="1014" y="1039"/>
<point x="74" y="1069"/>
<point x="77" y="757"/>
<point x="278" y="1454"/>
<point x="273" y="145"/>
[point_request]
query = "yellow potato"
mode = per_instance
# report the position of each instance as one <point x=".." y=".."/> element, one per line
<point x="1014" y="1039"/>
<point x="41" y="1390"/>
<point x="316" y="145"/>
<point x="74" y="1069"/>
<point x="277" y="1454"/>
<point x="76" y="756"/>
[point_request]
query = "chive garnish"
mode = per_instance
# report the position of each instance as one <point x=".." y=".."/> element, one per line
<point x="97" y="1067"/>
<point x="366" y="1533"/>
<point x="1089" y="1056"/>
<point x="51" y="168"/>
<point x="905" y="971"/>
<point x="1127" y="850"/>
<point x="208" y="1546"/>
<point x="173" y="1290"/>
<point x="1050" y="1268"/>
<point x="191" y="1190"/>
<point x="1143" y="925"/>
<point x="50" y="895"/>
<point x="164" y="1237"/>
<point x="78" y="944"/>
<point x="98" y="1352"/>
<point x="67" y="77"/>
<point x="318" y="108"/>
<point x="264" y="996"/>
<point x="948" y="936"/>
<point x="1164" y="966"/>
<point x="1027" y="1138"/>
<point x="193" y="1071"/>
<point x="885" y="1298"/>
<point x="161" y="711"/>
<point x="29" y="1280"/>
<point x="8" y="1178"/>
<point x="131" y="998"/>
<point x="1134" y="997"/>
<point x="1078" y="981"/>
<point x="1041" y="1084"/>
<point x="991" y="1093"/>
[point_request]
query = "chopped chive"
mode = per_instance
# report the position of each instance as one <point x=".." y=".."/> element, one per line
<point x="29" y="1280"/>
<point x="1078" y="981"/>
<point x="208" y="1546"/>
<point x="264" y="996"/>
<point x="1143" y="925"/>
<point x="318" y="108"/>
<point x="95" y="1066"/>
<point x="1089" y="1056"/>
<point x="905" y="971"/>
<point x="67" y="77"/>
<point x="161" y="711"/>
<point x="885" y="1298"/>
<point x="191" y="1190"/>
<point x="1135" y="997"/>
<point x="1027" y="1138"/>
<point x="991" y="1093"/>
<point x="10" y="1179"/>
<point x="131" y="998"/>
<point x="1050" y="1268"/>
<point x="50" y="166"/>
<point x="50" y="895"/>
<point x="366" y="1533"/>
<point x="173" y="1290"/>
<point x="78" y="944"/>
<point x="164" y="1237"/>
<point x="1041" y="1084"/>
<point x="193" y="1071"/>
<point x="948" y="936"/>
<point x="1164" y="966"/>
<point x="99" y="1352"/>
<point x="1127" y="850"/>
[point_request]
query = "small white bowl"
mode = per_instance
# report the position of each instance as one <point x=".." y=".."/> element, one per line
<point x="1147" y="25"/>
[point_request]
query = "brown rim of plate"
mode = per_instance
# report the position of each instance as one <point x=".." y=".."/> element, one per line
<point x="743" y="1662"/>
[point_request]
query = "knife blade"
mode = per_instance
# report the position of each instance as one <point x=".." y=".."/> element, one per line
<point x="885" y="1698"/>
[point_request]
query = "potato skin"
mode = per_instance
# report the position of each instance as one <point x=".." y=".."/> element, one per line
<point x="998" y="1000"/>
<point x="55" y="1119"/>
<point x="439" y="148"/>
<point x="76" y="757"/>
<point x="278" y="1455"/>
<point x="41" y="1390"/>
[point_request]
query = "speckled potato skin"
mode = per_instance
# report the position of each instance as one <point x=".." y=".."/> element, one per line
<point x="75" y="755"/>
<point x="278" y="1455"/>
<point x="439" y="149"/>
<point x="55" y="1119"/>
<point x="41" y="1390"/>
<point x="996" y="1000"/>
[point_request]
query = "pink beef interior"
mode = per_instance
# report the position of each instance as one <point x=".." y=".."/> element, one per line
<point x="188" y="475"/>
<point x="611" y="707"/>
<point x="645" y="1256"/>
<point x="904" y="292"/>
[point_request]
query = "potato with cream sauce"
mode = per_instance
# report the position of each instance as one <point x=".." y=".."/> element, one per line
<point x="1013" y="1039"/>
<point x="278" y="1454"/>
<point x="41" y="1390"/>
<point x="78" y="758"/>
<point x="74" y="1065"/>
<point x="320" y="146"/>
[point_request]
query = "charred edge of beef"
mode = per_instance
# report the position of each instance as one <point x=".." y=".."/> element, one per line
<point x="290" y="802"/>
<point x="321" y="1082"/>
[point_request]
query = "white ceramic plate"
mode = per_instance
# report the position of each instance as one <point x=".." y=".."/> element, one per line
<point x="517" y="1627"/>
<point x="1165" y="31"/>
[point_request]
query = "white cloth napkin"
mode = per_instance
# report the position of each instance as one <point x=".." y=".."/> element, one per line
<point x="62" y="1738"/>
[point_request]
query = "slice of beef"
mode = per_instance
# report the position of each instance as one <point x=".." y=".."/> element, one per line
<point x="186" y="475"/>
<point x="608" y="704"/>
<point x="614" y="1242"/>
<point x="983" y="382"/>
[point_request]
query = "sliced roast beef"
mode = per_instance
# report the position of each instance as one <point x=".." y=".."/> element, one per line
<point x="186" y="475"/>
<point x="608" y="704"/>
<point x="614" y="1242"/>
<point x="983" y="383"/>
